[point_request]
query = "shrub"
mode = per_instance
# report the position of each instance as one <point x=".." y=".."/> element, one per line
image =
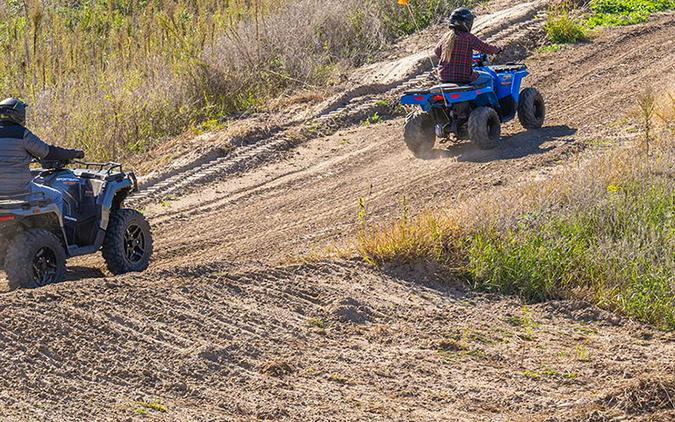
<point x="561" y="28"/>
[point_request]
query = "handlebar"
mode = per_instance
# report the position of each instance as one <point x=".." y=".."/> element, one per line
<point x="481" y="59"/>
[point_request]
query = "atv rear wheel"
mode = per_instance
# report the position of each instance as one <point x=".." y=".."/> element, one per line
<point x="531" y="109"/>
<point x="485" y="128"/>
<point x="419" y="133"/>
<point x="35" y="258"/>
<point x="128" y="242"/>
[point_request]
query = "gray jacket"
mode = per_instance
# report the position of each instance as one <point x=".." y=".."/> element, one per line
<point x="18" y="146"/>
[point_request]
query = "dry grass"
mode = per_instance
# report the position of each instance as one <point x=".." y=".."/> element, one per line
<point x="601" y="231"/>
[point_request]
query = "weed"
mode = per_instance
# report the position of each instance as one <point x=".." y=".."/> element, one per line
<point x="316" y="323"/>
<point x="338" y="379"/>
<point x="374" y="119"/>
<point x="561" y="28"/>
<point x="548" y="373"/>
<point x="647" y="103"/>
<point x="153" y="406"/>
<point x="525" y="322"/>
<point x="582" y="353"/>
<point x="211" y="125"/>
<point x="478" y="353"/>
<point x="530" y="374"/>
<point x="550" y="48"/>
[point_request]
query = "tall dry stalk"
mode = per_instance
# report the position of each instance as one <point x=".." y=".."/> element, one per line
<point x="647" y="103"/>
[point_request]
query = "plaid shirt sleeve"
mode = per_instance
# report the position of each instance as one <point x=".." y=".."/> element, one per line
<point x="483" y="47"/>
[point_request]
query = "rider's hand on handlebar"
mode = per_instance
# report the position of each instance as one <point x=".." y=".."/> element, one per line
<point x="79" y="154"/>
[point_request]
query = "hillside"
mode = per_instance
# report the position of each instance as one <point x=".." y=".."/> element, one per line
<point x="248" y="313"/>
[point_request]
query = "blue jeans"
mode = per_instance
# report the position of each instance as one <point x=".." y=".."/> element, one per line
<point x="50" y="193"/>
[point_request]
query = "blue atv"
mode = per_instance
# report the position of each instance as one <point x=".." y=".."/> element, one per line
<point x="474" y="111"/>
<point x="36" y="236"/>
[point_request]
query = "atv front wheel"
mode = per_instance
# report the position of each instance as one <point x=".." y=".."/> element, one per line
<point x="35" y="258"/>
<point x="128" y="242"/>
<point x="419" y="133"/>
<point x="531" y="109"/>
<point x="485" y="128"/>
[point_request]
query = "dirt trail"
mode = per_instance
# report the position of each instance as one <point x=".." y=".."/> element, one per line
<point x="198" y="339"/>
<point x="316" y="342"/>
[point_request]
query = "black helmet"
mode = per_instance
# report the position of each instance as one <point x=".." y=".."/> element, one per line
<point x="14" y="110"/>
<point x="462" y="19"/>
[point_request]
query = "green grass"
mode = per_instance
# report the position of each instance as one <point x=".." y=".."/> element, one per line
<point x="567" y="25"/>
<point x="624" y="12"/>
<point x="549" y="48"/>
<point x="616" y="251"/>
<point x="619" y="252"/>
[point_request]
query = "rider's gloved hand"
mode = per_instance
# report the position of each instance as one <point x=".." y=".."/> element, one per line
<point x="63" y="154"/>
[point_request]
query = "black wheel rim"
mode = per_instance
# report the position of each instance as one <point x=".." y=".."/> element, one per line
<point x="134" y="244"/>
<point x="45" y="267"/>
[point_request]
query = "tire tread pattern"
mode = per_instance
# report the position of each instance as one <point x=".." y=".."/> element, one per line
<point x="527" y="109"/>
<point x="19" y="258"/>
<point x="113" y="245"/>
<point x="479" y="129"/>
<point x="419" y="133"/>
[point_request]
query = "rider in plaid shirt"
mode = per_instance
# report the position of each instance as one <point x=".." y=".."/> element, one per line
<point x="455" y="50"/>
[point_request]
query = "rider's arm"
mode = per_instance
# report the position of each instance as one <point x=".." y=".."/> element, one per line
<point x="34" y="145"/>
<point x="483" y="47"/>
<point x="43" y="151"/>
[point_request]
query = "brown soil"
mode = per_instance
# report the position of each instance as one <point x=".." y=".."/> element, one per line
<point x="221" y="329"/>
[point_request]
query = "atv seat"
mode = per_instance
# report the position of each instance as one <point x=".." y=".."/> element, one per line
<point x="447" y="87"/>
<point x="438" y="89"/>
<point x="509" y="67"/>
